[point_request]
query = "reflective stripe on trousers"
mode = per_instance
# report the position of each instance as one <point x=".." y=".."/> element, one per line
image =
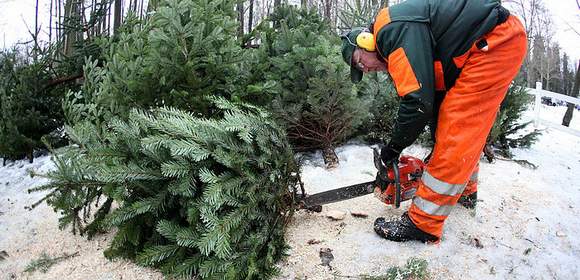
<point x="432" y="208"/>
<point x="474" y="176"/>
<point x="441" y="187"/>
<point x="439" y="197"/>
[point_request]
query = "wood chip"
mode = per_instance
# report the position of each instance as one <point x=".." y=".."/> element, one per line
<point x="314" y="242"/>
<point x="3" y="255"/>
<point x="336" y="215"/>
<point x="359" y="215"/>
<point x="477" y="243"/>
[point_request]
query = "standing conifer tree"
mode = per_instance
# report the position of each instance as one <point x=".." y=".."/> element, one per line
<point x="185" y="51"/>
<point x="307" y="82"/>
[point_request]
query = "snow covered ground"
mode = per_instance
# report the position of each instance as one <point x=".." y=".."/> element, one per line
<point x="527" y="222"/>
<point x="26" y="234"/>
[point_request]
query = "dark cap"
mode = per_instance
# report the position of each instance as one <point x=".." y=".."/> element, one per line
<point x="348" y="47"/>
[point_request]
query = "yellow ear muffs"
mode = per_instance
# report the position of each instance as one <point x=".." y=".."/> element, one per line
<point x="366" y="40"/>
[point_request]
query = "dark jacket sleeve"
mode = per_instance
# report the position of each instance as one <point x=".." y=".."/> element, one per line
<point x="408" y="50"/>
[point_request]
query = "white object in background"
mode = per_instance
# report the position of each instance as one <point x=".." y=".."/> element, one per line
<point x="294" y="3"/>
<point x="538" y="100"/>
<point x="539" y="93"/>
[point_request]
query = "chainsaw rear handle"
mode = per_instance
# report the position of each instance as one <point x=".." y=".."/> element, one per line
<point x="383" y="173"/>
<point x="397" y="184"/>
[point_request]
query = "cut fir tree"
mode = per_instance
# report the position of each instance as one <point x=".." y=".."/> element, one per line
<point x="197" y="197"/>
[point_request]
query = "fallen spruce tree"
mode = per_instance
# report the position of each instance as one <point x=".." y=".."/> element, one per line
<point x="196" y="197"/>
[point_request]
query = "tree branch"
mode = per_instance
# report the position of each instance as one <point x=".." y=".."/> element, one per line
<point x="62" y="80"/>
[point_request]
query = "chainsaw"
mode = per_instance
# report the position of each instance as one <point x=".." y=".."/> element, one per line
<point x="393" y="185"/>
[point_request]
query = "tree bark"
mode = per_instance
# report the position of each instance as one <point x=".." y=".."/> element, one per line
<point x="251" y="16"/>
<point x="62" y="80"/>
<point x="57" y="24"/>
<point x="328" y="10"/>
<point x="240" y="9"/>
<point x="330" y="158"/>
<point x="118" y="14"/>
<point x="488" y="152"/>
<point x="50" y="24"/>
<point x="570" y="111"/>
<point x="30" y="156"/>
<point x="68" y="36"/>
<point x="141" y="10"/>
<point x="36" y="29"/>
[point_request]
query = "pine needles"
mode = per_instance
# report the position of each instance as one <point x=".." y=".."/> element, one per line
<point x="414" y="269"/>
<point x="45" y="262"/>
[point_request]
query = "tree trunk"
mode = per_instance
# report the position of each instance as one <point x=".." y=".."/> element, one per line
<point x="68" y="36"/>
<point x="251" y="16"/>
<point x="50" y="24"/>
<point x="328" y="10"/>
<point x="108" y="21"/>
<point x="277" y="3"/>
<point x="36" y="29"/>
<point x="488" y="152"/>
<point x="141" y="10"/>
<point x="240" y="9"/>
<point x="30" y="157"/>
<point x="574" y="93"/>
<point x="118" y="15"/>
<point x="57" y="24"/>
<point x="330" y="157"/>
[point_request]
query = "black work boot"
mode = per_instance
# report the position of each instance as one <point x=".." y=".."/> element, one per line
<point x="401" y="230"/>
<point x="468" y="201"/>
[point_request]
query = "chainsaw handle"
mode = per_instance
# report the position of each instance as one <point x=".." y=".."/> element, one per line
<point x="383" y="174"/>
<point x="397" y="184"/>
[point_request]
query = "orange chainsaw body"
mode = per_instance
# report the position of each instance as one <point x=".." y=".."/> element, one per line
<point x="410" y="172"/>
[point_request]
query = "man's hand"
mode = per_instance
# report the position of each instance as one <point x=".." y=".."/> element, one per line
<point x="390" y="153"/>
<point x="383" y="161"/>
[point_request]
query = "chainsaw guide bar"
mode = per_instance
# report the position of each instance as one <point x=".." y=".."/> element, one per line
<point x="339" y="194"/>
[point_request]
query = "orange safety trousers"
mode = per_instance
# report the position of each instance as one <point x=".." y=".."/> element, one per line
<point x="466" y="116"/>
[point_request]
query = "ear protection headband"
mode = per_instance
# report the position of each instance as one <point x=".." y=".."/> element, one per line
<point x="365" y="40"/>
